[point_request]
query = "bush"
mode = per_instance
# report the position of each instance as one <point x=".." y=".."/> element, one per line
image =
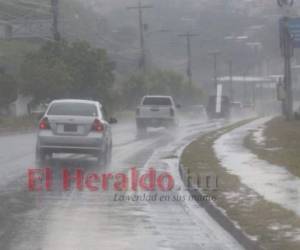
<point x="64" y="70"/>
<point x="8" y="90"/>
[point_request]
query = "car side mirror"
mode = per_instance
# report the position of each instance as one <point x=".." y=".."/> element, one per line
<point x="178" y="106"/>
<point x="113" y="121"/>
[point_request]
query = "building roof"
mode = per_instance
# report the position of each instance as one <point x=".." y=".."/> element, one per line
<point x="245" y="79"/>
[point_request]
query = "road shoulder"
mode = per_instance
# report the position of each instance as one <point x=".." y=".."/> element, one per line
<point x="17" y="125"/>
<point x="277" y="142"/>
<point x="267" y="223"/>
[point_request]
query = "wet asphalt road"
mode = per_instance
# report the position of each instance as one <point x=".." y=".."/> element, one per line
<point x="85" y="220"/>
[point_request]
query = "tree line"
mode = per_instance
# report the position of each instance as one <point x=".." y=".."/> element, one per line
<point x="76" y="70"/>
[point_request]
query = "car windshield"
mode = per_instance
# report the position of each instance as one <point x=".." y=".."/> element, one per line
<point x="73" y="109"/>
<point x="161" y="101"/>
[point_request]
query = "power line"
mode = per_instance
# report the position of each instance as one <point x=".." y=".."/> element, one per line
<point x="140" y="8"/>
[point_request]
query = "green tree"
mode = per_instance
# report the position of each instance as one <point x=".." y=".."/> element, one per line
<point x="45" y="79"/>
<point x="90" y="69"/>
<point x="168" y="83"/>
<point x="60" y="70"/>
<point x="134" y="88"/>
<point x="8" y="90"/>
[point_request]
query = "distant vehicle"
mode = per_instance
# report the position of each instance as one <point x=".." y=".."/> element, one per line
<point x="197" y="112"/>
<point x="211" y="108"/>
<point x="74" y="126"/>
<point x="236" y="108"/>
<point x="297" y="114"/>
<point x="156" y="111"/>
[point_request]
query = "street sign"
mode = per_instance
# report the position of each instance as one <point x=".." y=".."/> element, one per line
<point x="293" y="25"/>
<point x="219" y="98"/>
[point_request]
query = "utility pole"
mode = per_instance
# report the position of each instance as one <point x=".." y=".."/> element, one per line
<point x="287" y="53"/>
<point x="245" y="87"/>
<point x="231" y="80"/>
<point x="189" y="73"/>
<point x="140" y="8"/>
<point x="215" y="55"/>
<point x="55" y="14"/>
<point x="254" y="95"/>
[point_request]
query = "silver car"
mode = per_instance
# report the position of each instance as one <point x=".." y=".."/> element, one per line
<point x="74" y="126"/>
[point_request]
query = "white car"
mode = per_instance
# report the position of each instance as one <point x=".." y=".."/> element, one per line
<point x="74" y="126"/>
<point x="156" y="111"/>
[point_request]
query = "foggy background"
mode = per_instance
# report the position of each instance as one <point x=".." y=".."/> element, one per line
<point x="244" y="32"/>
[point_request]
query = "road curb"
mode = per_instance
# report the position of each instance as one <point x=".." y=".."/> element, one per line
<point x="216" y="213"/>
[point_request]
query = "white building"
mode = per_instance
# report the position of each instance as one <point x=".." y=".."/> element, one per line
<point x="20" y="106"/>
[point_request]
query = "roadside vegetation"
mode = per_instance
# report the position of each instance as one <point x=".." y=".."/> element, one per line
<point x="281" y="144"/>
<point x="270" y="225"/>
<point x="45" y="70"/>
<point x="8" y="90"/>
<point x="159" y="82"/>
<point x="57" y="70"/>
<point x="67" y="70"/>
<point x="76" y="70"/>
<point x="13" y="52"/>
<point x="9" y="124"/>
<point x="82" y="69"/>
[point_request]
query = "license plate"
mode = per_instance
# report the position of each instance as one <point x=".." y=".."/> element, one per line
<point x="70" y="128"/>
